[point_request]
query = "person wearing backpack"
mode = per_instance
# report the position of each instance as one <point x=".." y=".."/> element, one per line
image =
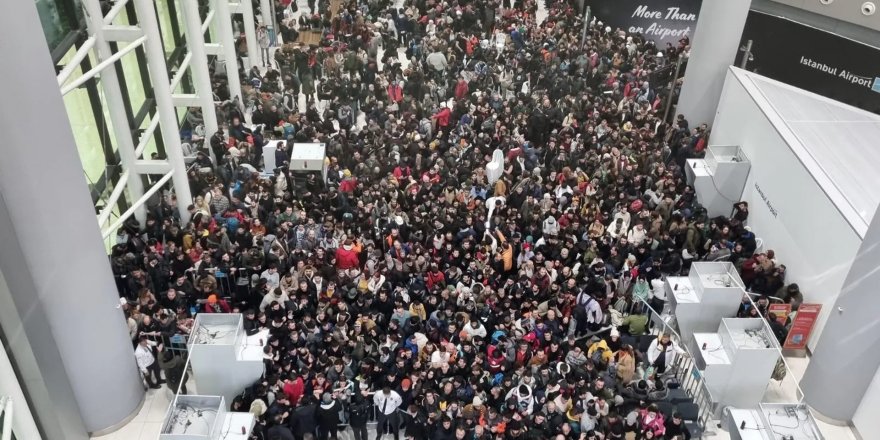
<point x="599" y="353"/>
<point x="590" y="312"/>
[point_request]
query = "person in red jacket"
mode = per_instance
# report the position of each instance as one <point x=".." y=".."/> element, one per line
<point x="442" y="118"/>
<point x="461" y="89"/>
<point x="349" y="182"/>
<point x="435" y="277"/>
<point x="347" y="255"/>
<point x="216" y="305"/>
<point x="294" y="389"/>
<point x="395" y="92"/>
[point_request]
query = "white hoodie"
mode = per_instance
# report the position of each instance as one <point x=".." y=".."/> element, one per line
<point x="551" y="227"/>
<point x="525" y="401"/>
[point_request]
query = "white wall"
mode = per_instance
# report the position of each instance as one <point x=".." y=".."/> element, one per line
<point x="807" y="232"/>
<point x="865" y="419"/>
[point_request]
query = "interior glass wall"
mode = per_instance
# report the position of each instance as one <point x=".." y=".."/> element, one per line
<point x="59" y="18"/>
<point x="65" y="30"/>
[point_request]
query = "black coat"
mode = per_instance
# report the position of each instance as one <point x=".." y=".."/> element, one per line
<point x="174" y="368"/>
<point x="328" y="415"/>
<point x="303" y="420"/>
<point x="280" y="432"/>
<point x="358" y="412"/>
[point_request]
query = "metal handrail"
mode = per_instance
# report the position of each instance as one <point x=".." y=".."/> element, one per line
<point x="688" y="375"/>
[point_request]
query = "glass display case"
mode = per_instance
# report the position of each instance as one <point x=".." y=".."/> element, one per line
<point x="710" y="292"/>
<point x="194" y="418"/>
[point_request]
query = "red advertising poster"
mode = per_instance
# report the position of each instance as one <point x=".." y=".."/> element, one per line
<point x="781" y="311"/>
<point x="802" y="326"/>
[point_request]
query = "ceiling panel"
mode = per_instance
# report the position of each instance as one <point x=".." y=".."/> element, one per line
<point x="843" y="140"/>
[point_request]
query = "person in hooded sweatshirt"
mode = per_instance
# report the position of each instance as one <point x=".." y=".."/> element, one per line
<point x="327" y="415"/>
<point x="525" y="401"/>
<point x="551" y="227"/>
<point x="303" y="419"/>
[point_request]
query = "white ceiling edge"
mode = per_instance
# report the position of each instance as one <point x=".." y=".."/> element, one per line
<point x="752" y="83"/>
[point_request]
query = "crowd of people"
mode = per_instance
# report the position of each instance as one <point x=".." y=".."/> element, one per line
<point x="412" y="287"/>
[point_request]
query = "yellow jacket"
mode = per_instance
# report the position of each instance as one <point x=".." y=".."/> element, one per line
<point x="607" y="355"/>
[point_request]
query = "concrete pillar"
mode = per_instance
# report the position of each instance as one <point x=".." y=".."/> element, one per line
<point x="195" y="42"/>
<point x="713" y="49"/>
<point x="165" y="110"/>
<point x="223" y="28"/>
<point x="53" y="258"/>
<point x="847" y="354"/>
<point x="250" y="33"/>
<point x="116" y="105"/>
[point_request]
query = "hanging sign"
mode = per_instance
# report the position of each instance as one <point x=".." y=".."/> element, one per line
<point x="812" y="59"/>
<point x="661" y="21"/>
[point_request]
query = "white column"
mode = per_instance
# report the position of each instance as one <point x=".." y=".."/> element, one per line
<point x="266" y="13"/>
<point x="165" y="109"/>
<point x="846" y="356"/>
<point x="250" y="33"/>
<point x="66" y="334"/>
<point x="223" y="20"/>
<point x="714" y="47"/>
<point x="195" y="42"/>
<point x="116" y="106"/>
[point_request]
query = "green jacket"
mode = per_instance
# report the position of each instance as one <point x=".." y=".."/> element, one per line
<point x="637" y="324"/>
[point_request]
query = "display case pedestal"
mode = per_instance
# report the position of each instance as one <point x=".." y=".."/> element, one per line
<point x="224" y="359"/>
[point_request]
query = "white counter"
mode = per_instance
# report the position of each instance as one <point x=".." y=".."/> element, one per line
<point x="252" y="348"/>
<point x="683" y="290"/>
<point x="233" y="424"/>
<point x="699" y="167"/>
<point x="754" y="428"/>
<point x="791" y="420"/>
<point x="714" y="353"/>
<point x="215" y="334"/>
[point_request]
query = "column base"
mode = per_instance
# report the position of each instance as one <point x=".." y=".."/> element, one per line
<point x="818" y="415"/>
<point x="123" y="422"/>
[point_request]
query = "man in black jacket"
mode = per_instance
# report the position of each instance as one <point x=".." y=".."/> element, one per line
<point x="303" y="420"/>
<point x="676" y="429"/>
<point x="279" y="431"/>
<point x="327" y="416"/>
<point x="173" y="368"/>
<point x="358" y="412"/>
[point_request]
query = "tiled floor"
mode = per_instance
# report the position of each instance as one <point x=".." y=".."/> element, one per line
<point x="147" y="424"/>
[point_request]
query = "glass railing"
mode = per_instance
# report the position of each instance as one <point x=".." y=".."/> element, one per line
<point x="684" y="371"/>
